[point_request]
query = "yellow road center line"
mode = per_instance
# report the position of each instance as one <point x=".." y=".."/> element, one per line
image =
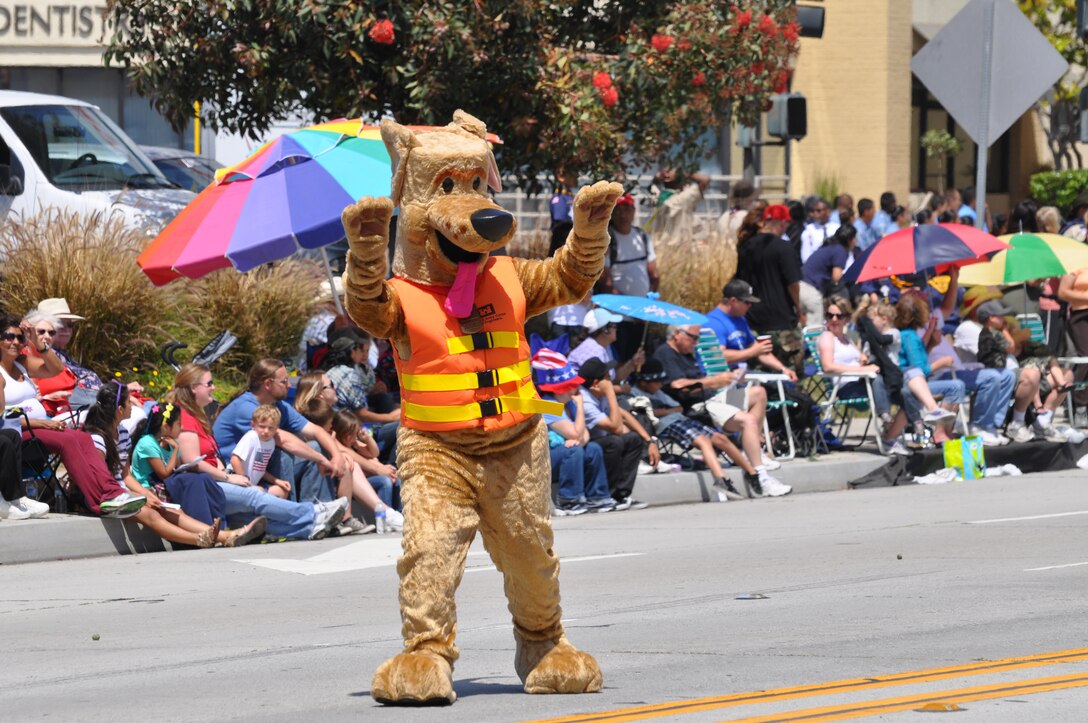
<point x="892" y="705"/>
<point x="673" y="708"/>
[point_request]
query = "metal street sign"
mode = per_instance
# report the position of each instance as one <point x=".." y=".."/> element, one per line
<point x="988" y="42"/>
<point x="1022" y="66"/>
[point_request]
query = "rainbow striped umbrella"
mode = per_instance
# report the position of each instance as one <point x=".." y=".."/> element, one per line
<point x="288" y="194"/>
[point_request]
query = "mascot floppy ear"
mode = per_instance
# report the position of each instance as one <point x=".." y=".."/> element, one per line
<point x="475" y="126"/>
<point x="399" y="142"/>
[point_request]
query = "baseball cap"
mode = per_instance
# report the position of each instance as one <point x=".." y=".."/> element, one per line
<point x="737" y="289"/>
<point x="991" y="308"/>
<point x="592" y="370"/>
<point x="625" y="200"/>
<point x="652" y="371"/>
<point x="553" y="373"/>
<point x="598" y="318"/>
<point x="776" y="212"/>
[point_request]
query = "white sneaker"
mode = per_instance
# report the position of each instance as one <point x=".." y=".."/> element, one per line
<point x="771" y="464"/>
<point x="667" y="467"/>
<point x="1072" y="435"/>
<point x="1043" y="420"/>
<point x="935" y="416"/>
<point x="773" y="488"/>
<point x="644" y="468"/>
<point x="35" y="508"/>
<point x="393" y="520"/>
<point x="1020" y="432"/>
<point x="327" y="516"/>
<point x="11" y="511"/>
<point x="894" y="446"/>
<point x="989" y="438"/>
<point x="1051" y="434"/>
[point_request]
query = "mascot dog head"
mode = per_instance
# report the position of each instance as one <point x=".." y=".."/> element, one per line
<point x="440" y="182"/>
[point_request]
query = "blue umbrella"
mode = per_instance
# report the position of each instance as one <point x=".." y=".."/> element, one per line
<point x="647" y="309"/>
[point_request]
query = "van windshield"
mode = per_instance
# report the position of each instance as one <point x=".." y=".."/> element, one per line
<point x="78" y="149"/>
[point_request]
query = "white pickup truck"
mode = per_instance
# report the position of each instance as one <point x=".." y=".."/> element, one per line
<point x="63" y="153"/>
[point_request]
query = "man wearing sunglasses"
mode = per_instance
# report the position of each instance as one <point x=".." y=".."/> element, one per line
<point x="732" y="408"/>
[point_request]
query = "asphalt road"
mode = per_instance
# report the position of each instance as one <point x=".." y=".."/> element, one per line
<point x="868" y="603"/>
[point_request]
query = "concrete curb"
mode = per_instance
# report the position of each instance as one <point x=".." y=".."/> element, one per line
<point x="66" y="537"/>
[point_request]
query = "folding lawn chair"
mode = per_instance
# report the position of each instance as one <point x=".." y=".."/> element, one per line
<point x="708" y="352"/>
<point x="839" y="412"/>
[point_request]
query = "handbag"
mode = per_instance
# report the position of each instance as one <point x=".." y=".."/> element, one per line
<point x="967" y="456"/>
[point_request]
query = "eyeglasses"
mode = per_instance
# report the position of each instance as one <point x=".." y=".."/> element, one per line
<point x="10" y="336"/>
<point x="43" y="332"/>
<point x="330" y="385"/>
<point x="690" y="335"/>
<point x="280" y="381"/>
<point x="836" y="316"/>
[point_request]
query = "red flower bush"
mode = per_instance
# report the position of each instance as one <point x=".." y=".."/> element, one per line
<point x="381" y="32"/>
<point x="661" y="43"/>
<point x="602" y="80"/>
<point x="791" y="31"/>
<point x="683" y="45"/>
<point x="743" y="19"/>
<point x="767" y="25"/>
<point x="609" y="96"/>
<point x="698" y="79"/>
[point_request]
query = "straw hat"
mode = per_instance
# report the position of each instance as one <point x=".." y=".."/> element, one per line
<point x="977" y="295"/>
<point x="324" y="292"/>
<point x="58" y="308"/>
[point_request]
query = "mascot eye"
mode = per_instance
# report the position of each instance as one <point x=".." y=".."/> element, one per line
<point x="447" y="185"/>
<point x="476" y="183"/>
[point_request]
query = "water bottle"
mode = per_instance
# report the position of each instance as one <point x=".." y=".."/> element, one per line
<point x="379" y="519"/>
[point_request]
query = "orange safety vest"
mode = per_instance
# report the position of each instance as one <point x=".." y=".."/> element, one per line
<point x="465" y="381"/>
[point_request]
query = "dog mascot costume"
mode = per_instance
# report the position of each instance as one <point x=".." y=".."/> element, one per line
<point x="472" y="447"/>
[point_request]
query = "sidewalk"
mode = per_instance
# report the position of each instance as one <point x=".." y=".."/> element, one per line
<point x="63" y="537"/>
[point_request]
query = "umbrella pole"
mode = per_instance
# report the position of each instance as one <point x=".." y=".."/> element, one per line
<point x="332" y="283"/>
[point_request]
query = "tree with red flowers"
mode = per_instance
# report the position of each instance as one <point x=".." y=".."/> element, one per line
<point x="593" y="87"/>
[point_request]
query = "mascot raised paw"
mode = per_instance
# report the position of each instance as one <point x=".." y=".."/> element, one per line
<point x="472" y="447"/>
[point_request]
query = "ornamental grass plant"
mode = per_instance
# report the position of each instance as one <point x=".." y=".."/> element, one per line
<point x="693" y="274"/>
<point x="90" y="261"/>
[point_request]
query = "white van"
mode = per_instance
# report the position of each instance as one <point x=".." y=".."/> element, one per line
<point x="63" y="153"/>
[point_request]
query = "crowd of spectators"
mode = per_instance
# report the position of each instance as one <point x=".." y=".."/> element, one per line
<point x="286" y="456"/>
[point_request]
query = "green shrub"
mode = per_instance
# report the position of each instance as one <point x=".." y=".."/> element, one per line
<point x="266" y="308"/>
<point x="91" y="262"/>
<point x="1059" y="188"/>
<point x="828" y="187"/>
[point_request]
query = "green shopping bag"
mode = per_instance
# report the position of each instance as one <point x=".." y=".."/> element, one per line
<point x="966" y="455"/>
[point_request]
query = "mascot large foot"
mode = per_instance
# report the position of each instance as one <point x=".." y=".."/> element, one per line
<point x="556" y="666"/>
<point x="419" y="678"/>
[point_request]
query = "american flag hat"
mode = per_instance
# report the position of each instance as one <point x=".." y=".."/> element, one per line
<point x="553" y="373"/>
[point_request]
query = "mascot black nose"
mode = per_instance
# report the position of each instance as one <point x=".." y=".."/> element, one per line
<point x="491" y="223"/>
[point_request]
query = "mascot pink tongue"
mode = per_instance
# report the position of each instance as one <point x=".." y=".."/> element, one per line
<point x="463" y="292"/>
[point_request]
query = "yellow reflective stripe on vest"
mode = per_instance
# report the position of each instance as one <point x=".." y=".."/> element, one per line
<point x="522" y="402"/>
<point x="467" y="380"/>
<point x="484" y="340"/>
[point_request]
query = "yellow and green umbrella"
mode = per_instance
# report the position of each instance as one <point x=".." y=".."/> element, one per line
<point x="1031" y="256"/>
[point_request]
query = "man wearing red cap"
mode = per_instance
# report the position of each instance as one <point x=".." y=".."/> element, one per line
<point x="771" y="267"/>
<point x="631" y="266"/>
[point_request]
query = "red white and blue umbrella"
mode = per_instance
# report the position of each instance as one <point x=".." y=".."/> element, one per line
<point x="919" y="248"/>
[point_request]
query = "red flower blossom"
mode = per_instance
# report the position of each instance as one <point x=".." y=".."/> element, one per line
<point x="743" y="19"/>
<point x="698" y="79"/>
<point x="757" y="69"/>
<point x="767" y="25"/>
<point x="609" y="96"/>
<point x="661" y="43"/>
<point x="602" y="80"/>
<point x="782" y="82"/>
<point x="381" y="32"/>
<point x="791" y="31"/>
<point x="683" y="45"/>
